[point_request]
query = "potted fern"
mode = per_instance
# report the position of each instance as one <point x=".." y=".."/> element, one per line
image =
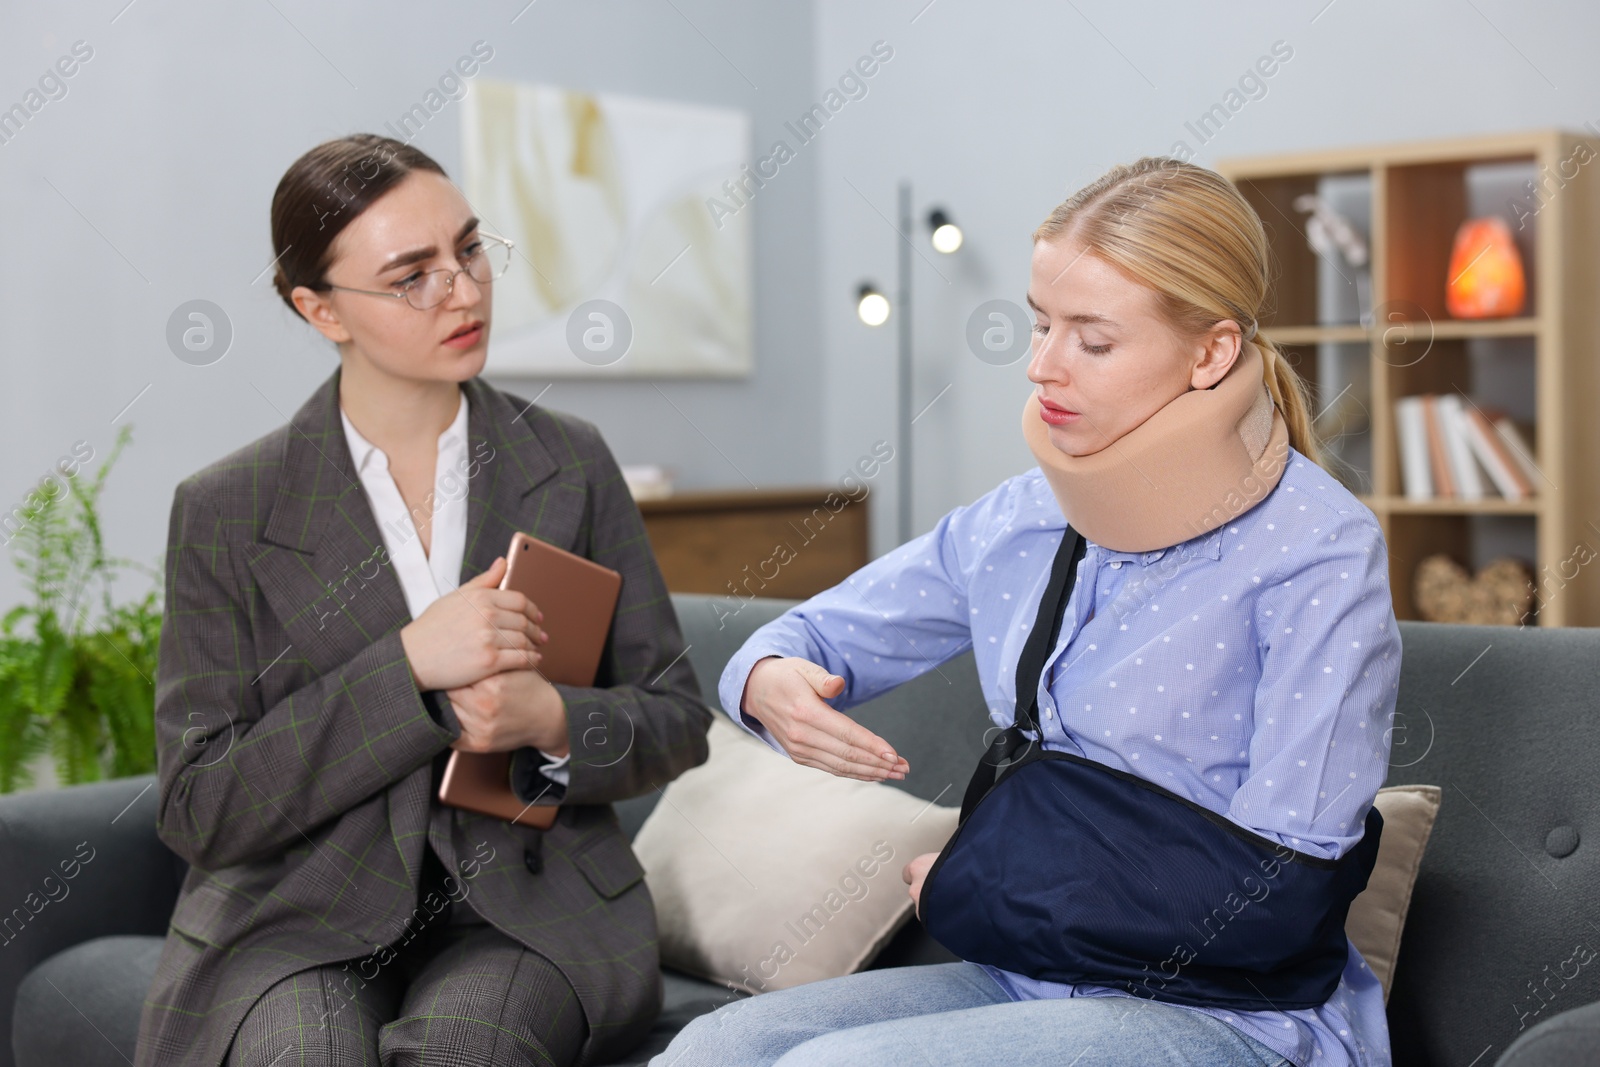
<point x="77" y="671"/>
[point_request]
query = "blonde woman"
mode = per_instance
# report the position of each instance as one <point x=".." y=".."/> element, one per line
<point x="1210" y="662"/>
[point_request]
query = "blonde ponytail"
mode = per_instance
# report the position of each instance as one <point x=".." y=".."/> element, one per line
<point x="1289" y="393"/>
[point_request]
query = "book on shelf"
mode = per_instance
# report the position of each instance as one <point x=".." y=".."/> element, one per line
<point x="1452" y="449"/>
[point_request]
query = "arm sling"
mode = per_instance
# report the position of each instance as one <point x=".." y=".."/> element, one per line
<point x="1066" y="870"/>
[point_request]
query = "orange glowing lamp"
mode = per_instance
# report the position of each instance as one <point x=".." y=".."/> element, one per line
<point x="1486" y="279"/>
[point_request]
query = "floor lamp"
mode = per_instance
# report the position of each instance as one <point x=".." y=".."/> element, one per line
<point x="873" y="308"/>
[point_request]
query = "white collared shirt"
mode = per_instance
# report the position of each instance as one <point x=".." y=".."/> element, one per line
<point x="425" y="576"/>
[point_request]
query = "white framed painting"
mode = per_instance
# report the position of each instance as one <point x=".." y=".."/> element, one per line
<point x="627" y="260"/>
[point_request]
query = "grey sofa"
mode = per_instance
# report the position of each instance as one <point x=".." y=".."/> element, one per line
<point x="1499" y="947"/>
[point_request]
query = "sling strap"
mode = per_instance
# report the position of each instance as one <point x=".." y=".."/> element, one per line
<point x="1009" y="743"/>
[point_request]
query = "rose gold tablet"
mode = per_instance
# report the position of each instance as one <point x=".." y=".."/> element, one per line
<point x="481" y="782"/>
<point x="577" y="597"/>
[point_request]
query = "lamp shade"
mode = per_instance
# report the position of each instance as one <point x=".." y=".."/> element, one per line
<point x="1486" y="279"/>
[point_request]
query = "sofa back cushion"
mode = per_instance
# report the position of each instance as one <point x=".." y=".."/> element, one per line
<point x="1501" y="933"/>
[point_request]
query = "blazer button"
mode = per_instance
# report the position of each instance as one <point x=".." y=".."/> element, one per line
<point x="534" y="860"/>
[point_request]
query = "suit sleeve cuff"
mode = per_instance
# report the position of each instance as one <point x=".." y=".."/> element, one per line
<point x="442" y="711"/>
<point x="536" y="778"/>
<point x="555" y="767"/>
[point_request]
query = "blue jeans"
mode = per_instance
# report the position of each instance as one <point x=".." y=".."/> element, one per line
<point x="955" y="1014"/>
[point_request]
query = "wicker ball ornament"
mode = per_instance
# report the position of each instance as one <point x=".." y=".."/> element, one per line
<point x="1499" y="595"/>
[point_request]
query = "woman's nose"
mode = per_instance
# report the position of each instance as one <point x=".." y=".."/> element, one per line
<point x="465" y="292"/>
<point x="1043" y="366"/>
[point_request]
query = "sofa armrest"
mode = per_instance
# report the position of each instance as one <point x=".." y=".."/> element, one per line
<point x="78" y="863"/>
<point x="1567" y="1038"/>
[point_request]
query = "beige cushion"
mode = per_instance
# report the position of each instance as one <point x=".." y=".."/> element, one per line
<point x="767" y="874"/>
<point x="1378" y="916"/>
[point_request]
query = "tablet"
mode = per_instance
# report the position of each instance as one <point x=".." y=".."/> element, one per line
<point x="578" y="598"/>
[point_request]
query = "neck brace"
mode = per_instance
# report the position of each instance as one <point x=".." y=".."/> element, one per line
<point x="1206" y="457"/>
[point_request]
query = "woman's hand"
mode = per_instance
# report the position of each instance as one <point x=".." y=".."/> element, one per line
<point x="472" y="633"/>
<point x="915" y="874"/>
<point x="785" y="695"/>
<point x="508" y="711"/>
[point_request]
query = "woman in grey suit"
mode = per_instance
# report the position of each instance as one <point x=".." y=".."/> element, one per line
<point x="334" y="629"/>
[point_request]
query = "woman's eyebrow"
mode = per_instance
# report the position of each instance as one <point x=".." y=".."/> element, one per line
<point x="1088" y="318"/>
<point x="417" y="255"/>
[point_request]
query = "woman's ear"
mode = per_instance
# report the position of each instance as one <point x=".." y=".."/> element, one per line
<point x="1218" y="348"/>
<point x="319" y="313"/>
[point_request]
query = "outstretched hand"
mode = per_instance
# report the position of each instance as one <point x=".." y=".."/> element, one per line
<point x="786" y="693"/>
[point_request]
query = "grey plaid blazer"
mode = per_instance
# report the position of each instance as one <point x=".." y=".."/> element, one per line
<point x="298" y="762"/>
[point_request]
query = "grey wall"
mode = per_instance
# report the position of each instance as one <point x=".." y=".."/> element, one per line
<point x="149" y="184"/>
<point x="999" y="110"/>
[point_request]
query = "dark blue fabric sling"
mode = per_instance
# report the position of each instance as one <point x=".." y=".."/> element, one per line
<point x="1067" y="870"/>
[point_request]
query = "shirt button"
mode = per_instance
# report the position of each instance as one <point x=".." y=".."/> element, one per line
<point x="1116" y="564"/>
<point x="534" y="860"/>
<point x="1048" y="712"/>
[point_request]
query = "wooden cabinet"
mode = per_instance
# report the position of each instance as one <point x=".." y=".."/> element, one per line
<point x="1541" y="367"/>
<point x="778" y="543"/>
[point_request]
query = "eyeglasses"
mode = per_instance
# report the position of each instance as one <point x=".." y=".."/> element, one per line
<point x="483" y="261"/>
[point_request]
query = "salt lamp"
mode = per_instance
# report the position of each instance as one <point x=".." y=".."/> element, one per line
<point x="1486" y="280"/>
